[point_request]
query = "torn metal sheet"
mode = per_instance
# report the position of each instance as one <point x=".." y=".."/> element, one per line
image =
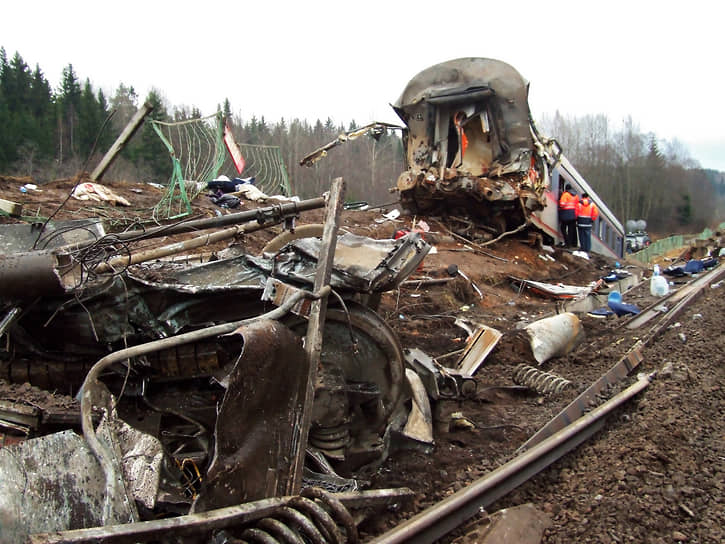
<point x="420" y="420"/>
<point x="258" y="422"/>
<point x="478" y="346"/>
<point x="364" y="264"/>
<point x="141" y="458"/>
<point x="20" y="237"/>
<point x="557" y="290"/>
<point x="22" y="415"/>
<point x="278" y="292"/>
<point x="361" y="264"/>
<point x="439" y="381"/>
<point x="324" y="475"/>
<point x="53" y="483"/>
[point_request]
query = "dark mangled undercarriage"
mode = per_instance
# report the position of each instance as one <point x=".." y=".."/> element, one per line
<point x="192" y="381"/>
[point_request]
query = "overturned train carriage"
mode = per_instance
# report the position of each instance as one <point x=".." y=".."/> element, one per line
<point x="472" y="151"/>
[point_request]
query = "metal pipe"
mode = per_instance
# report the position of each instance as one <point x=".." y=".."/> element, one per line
<point x="8" y="319"/>
<point x="270" y="213"/>
<point x="123" y="261"/>
<point x="52" y="272"/>
<point x="438" y="520"/>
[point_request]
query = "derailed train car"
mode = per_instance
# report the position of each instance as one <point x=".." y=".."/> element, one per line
<point x="607" y="232"/>
<point x="472" y="152"/>
<point x="473" y="155"/>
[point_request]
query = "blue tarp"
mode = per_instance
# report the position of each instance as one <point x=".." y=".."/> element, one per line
<point x="620" y="308"/>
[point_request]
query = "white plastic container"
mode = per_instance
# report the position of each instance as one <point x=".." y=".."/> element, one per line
<point x="658" y="286"/>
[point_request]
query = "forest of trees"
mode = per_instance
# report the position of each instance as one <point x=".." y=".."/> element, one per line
<point x="50" y="134"/>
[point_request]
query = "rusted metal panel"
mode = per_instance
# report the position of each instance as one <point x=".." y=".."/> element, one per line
<point x="257" y="428"/>
<point x="477" y="349"/>
<point x="53" y="483"/>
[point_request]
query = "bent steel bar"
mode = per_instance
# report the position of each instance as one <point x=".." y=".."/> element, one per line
<point x="436" y="521"/>
<point x="204" y="522"/>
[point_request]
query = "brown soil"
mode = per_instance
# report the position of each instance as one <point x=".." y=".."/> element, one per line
<point x="654" y="474"/>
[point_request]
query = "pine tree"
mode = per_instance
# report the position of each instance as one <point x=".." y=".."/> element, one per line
<point x="6" y="137"/>
<point x="69" y="98"/>
<point x="42" y="107"/>
<point x="227" y="113"/>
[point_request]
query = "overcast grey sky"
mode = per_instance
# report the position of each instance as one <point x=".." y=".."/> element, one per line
<point x="658" y="61"/>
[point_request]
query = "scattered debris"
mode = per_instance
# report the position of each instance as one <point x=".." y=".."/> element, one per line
<point x="420" y="420"/>
<point x="98" y="193"/>
<point x="461" y="423"/>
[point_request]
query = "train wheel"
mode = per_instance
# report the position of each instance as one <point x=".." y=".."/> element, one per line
<point x="360" y="383"/>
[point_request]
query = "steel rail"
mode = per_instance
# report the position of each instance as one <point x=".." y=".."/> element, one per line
<point x="441" y="518"/>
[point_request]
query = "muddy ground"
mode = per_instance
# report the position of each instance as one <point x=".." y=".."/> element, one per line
<point x="654" y="474"/>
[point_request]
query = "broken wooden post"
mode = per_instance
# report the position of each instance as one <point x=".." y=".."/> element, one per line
<point x="121" y="141"/>
<point x="11" y="208"/>
<point x="316" y="323"/>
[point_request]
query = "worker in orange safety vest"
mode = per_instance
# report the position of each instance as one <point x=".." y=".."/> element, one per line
<point x="586" y="215"/>
<point x="567" y="216"/>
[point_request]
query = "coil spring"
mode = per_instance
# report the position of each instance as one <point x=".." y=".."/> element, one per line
<point x="315" y="516"/>
<point x="542" y="382"/>
<point x="330" y="440"/>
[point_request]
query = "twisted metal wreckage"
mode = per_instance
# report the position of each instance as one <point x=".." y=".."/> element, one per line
<point x="214" y="368"/>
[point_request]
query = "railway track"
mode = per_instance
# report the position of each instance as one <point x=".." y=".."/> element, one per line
<point x="568" y="429"/>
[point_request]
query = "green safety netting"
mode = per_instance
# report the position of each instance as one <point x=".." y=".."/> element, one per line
<point x="662" y="246"/>
<point x="199" y="155"/>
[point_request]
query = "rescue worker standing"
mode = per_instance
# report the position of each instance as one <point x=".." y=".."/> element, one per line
<point x="586" y="214"/>
<point x="567" y="216"/>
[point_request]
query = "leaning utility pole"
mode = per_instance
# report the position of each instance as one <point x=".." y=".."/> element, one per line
<point x="121" y="141"/>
